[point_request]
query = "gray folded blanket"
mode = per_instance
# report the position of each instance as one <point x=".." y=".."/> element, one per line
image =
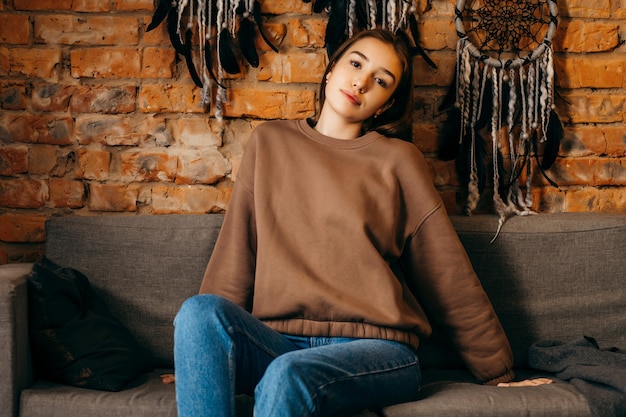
<point x="599" y="374"/>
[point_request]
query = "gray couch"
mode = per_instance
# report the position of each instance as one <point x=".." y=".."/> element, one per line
<point x="555" y="276"/>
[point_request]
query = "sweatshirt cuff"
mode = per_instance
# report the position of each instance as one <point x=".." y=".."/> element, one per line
<point x="507" y="377"/>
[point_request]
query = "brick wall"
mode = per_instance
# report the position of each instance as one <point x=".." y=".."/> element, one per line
<point x="99" y="117"/>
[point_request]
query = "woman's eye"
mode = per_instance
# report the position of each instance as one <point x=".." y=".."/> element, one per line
<point x="355" y="64"/>
<point x="381" y="82"/>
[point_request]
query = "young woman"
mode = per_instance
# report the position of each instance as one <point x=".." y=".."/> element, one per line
<point x="334" y="257"/>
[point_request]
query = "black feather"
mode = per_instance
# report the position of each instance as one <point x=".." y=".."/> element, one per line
<point x="159" y="14"/>
<point x="256" y="13"/>
<point x="208" y="61"/>
<point x="553" y="140"/>
<point x="336" y="28"/>
<point x="534" y="141"/>
<point x="189" y="59"/>
<point x="361" y="14"/>
<point x="449" y="136"/>
<point x="450" y="98"/>
<point x="246" y="42"/>
<point x="172" y="29"/>
<point x="225" y="52"/>
<point x="320" y="5"/>
<point x="416" y="40"/>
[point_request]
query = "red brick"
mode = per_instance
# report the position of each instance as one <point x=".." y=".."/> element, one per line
<point x="426" y="76"/>
<point x="23" y="193"/>
<point x="133" y="5"/>
<point x="425" y="137"/>
<point x="91" y="30"/>
<point x="90" y="6"/>
<point x="34" y="62"/>
<point x="93" y="164"/>
<point x="66" y="193"/>
<point x="106" y="62"/>
<point x="589" y="199"/>
<point x="586" y="8"/>
<point x="285" y="6"/>
<point x="21" y="252"/>
<point x="297" y="67"/>
<point x="205" y="166"/>
<point x="196" y="132"/>
<point x="437" y="34"/>
<point x="37" y="128"/>
<point x="5" y="61"/>
<point x="103" y="99"/>
<point x="14" y="29"/>
<point x="42" y="160"/>
<point x="148" y="165"/>
<point x="113" y="197"/>
<point x="188" y="199"/>
<point x="307" y="33"/>
<point x="270" y="104"/>
<point x="589" y="171"/>
<point x="13" y="160"/>
<point x="598" y="107"/>
<point x="581" y="36"/>
<point x="157" y="36"/>
<point x="158" y="62"/>
<point x="52" y="97"/>
<point x="12" y="96"/>
<point x="579" y="72"/>
<point x="170" y="98"/>
<point x="121" y="130"/>
<point x="43" y="5"/>
<point x="22" y="228"/>
<point x="619" y="12"/>
<point x="599" y="140"/>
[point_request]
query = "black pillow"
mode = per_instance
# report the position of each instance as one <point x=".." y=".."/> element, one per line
<point x="74" y="337"/>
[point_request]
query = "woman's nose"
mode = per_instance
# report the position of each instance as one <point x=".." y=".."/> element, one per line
<point x="359" y="84"/>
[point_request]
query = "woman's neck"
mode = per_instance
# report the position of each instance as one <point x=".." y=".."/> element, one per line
<point x="338" y="128"/>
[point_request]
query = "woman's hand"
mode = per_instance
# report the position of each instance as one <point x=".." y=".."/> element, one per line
<point x="527" y="383"/>
<point x="168" y="378"/>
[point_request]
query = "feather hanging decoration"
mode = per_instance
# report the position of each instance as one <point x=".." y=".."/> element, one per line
<point x="506" y="91"/>
<point x="225" y="33"/>
<point x="215" y="37"/>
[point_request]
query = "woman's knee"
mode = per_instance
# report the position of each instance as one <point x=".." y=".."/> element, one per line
<point x="201" y="309"/>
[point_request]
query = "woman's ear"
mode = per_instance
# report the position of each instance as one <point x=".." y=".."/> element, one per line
<point x="385" y="107"/>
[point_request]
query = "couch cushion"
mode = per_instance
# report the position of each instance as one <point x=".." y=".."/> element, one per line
<point x="450" y="393"/>
<point x="143" y="266"/>
<point x="549" y="276"/>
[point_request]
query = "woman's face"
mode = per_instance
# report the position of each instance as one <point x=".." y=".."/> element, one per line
<point x="362" y="80"/>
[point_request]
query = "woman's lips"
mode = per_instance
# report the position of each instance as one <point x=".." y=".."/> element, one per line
<point x="352" y="98"/>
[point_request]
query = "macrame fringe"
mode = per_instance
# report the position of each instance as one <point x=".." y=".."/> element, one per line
<point x="520" y="103"/>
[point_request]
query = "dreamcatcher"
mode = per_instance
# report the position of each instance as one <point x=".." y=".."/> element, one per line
<point x="224" y="33"/>
<point x="504" y="88"/>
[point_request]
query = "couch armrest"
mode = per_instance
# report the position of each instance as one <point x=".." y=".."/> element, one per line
<point x="15" y="360"/>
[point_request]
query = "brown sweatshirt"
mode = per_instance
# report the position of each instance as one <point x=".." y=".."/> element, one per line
<point x="349" y="238"/>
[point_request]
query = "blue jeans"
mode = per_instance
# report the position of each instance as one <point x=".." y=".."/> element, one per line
<point x="221" y="350"/>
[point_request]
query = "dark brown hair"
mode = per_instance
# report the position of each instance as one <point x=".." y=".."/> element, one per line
<point x="396" y="121"/>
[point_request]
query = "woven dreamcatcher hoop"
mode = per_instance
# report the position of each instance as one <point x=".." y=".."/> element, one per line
<point x="504" y="89"/>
